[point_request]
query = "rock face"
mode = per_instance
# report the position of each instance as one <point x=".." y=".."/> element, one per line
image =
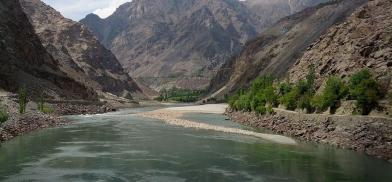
<point x="181" y="42"/>
<point x="270" y="11"/>
<point x="25" y="62"/>
<point x="279" y="46"/>
<point x="364" y="40"/>
<point x="79" y="54"/>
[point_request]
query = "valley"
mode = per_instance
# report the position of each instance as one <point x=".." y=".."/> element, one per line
<point x="196" y="90"/>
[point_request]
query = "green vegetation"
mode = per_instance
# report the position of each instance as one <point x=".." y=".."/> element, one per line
<point x="42" y="107"/>
<point x="179" y="95"/>
<point x="3" y="115"/>
<point x="22" y="100"/>
<point x="264" y="94"/>
<point x="365" y="90"/>
<point x="334" y="91"/>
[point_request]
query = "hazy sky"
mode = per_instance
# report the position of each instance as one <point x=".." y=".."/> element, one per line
<point x="78" y="9"/>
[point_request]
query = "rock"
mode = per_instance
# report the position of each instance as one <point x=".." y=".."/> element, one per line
<point x="79" y="53"/>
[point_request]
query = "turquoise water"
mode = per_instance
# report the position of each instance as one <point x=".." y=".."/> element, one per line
<point x="123" y="147"/>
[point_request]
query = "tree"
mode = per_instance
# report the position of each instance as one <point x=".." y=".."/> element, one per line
<point x="311" y="79"/>
<point x="365" y="90"/>
<point x="334" y="91"/>
<point x="22" y="100"/>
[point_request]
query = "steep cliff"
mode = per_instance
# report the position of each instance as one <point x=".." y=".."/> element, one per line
<point x="26" y="63"/>
<point x="79" y="54"/>
<point x="279" y="46"/>
<point x="364" y="40"/>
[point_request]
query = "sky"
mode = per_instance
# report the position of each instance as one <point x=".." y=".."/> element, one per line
<point x="78" y="9"/>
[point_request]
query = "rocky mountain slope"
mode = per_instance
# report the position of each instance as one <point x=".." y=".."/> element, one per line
<point x="24" y="62"/>
<point x="364" y="40"/>
<point x="279" y="46"/>
<point x="182" y="43"/>
<point x="79" y="54"/>
<point x="270" y="11"/>
<point x="175" y="40"/>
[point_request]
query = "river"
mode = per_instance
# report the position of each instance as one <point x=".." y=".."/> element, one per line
<point x="121" y="146"/>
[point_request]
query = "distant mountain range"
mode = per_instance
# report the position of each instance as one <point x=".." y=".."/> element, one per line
<point x="182" y="43"/>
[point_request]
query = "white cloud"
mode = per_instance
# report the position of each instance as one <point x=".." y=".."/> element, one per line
<point x="78" y="9"/>
<point x="107" y="11"/>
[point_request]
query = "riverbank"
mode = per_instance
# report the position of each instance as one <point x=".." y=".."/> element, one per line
<point x="33" y="120"/>
<point x="371" y="135"/>
<point x="174" y="116"/>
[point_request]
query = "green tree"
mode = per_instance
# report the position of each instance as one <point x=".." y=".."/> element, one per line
<point x="22" y="100"/>
<point x="365" y="90"/>
<point x="335" y="90"/>
<point x="311" y="79"/>
<point x="289" y="100"/>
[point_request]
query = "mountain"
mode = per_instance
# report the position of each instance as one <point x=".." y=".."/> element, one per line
<point x="364" y="40"/>
<point x="79" y="54"/>
<point x="26" y="63"/>
<point x="184" y="42"/>
<point x="270" y="11"/>
<point x="278" y="47"/>
<point x="175" y="41"/>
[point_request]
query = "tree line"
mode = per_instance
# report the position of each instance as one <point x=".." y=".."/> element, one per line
<point x="264" y="94"/>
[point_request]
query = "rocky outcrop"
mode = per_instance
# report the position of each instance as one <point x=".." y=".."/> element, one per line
<point x="79" y="54"/>
<point x="279" y="46"/>
<point x="371" y="135"/>
<point x="364" y="40"/>
<point x="25" y="62"/>
<point x="175" y="42"/>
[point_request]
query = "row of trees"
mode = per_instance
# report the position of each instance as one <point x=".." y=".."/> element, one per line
<point x="179" y="95"/>
<point x="265" y="94"/>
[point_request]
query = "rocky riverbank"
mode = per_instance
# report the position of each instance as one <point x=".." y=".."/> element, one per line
<point x="371" y="135"/>
<point x="33" y="120"/>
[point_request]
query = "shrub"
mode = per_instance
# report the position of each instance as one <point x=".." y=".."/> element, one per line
<point x="260" y="110"/>
<point x="335" y="90"/>
<point x="365" y="90"/>
<point x="289" y="100"/>
<point x="22" y="100"/>
<point x="284" y="88"/>
<point x="304" y="102"/>
<point x="47" y="110"/>
<point x="270" y="96"/>
<point x="3" y="115"/>
<point x="270" y="110"/>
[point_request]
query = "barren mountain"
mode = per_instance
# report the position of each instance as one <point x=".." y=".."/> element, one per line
<point x="24" y="62"/>
<point x="79" y="54"/>
<point x="364" y="40"/>
<point x="270" y="11"/>
<point x="180" y="42"/>
<point x="279" y="46"/>
<point x="184" y="42"/>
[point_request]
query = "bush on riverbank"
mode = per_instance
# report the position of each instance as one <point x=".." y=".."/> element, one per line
<point x="263" y="92"/>
<point x="22" y="100"/>
<point x="3" y="115"/>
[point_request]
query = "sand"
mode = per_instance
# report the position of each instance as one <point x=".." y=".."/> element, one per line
<point x="173" y="116"/>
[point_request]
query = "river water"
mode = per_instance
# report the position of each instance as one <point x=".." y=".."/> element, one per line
<point x="121" y="146"/>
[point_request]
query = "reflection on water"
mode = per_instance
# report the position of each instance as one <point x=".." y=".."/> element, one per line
<point x="123" y="147"/>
